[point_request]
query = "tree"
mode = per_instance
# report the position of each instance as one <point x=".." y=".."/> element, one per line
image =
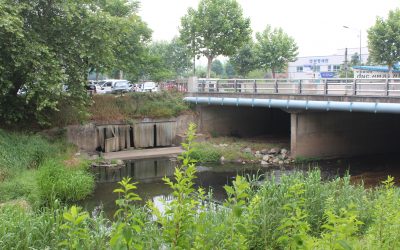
<point x="244" y="60"/>
<point x="47" y="47"/>
<point x="217" y="68"/>
<point x="167" y="60"/>
<point x="384" y="40"/>
<point x="216" y="28"/>
<point x="229" y="69"/>
<point x="275" y="49"/>
<point x="355" y="59"/>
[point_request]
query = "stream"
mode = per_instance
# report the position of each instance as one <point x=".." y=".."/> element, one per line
<point x="149" y="173"/>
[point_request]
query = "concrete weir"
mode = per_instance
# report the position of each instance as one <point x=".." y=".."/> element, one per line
<point x="119" y="136"/>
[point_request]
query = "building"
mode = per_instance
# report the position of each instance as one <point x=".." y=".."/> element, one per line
<point x="323" y="66"/>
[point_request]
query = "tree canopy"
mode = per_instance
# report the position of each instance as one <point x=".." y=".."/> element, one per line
<point x="275" y="49"/>
<point x="384" y="40"/>
<point x="244" y="60"/>
<point x="47" y="47"/>
<point x="216" y="28"/>
<point x="217" y="67"/>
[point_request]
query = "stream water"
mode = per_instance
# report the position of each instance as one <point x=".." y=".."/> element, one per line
<point x="149" y="174"/>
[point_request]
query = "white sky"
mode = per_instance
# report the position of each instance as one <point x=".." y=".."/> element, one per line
<point x="316" y="25"/>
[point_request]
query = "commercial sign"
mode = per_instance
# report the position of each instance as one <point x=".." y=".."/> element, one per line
<point x="366" y="74"/>
<point x="328" y="74"/>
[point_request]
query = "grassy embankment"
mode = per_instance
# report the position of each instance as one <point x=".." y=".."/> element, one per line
<point x="38" y="170"/>
<point x="131" y="106"/>
<point x="298" y="211"/>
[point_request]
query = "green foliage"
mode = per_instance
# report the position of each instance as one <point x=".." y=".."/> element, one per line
<point x="384" y="233"/>
<point x="22" y="228"/>
<point x="45" y="45"/>
<point x="244" y="60"/>
<point x="128" y="225"/>
<point x="224" y="20"/>
<point x="73" y="227"/>
<point x="172" y="60"/>
<point x="137" y="105"/>
<point x="217" y="68"/>
<point x="229" y="70"/>
<point x="275" y="49"/>
<point x="55" y="181"/>
<point x="178" y="218"/>
<point x="384" y="40"/>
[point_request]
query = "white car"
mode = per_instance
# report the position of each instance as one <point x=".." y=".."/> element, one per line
<point x="148" y="87"/>
<point x="108" y="86"/>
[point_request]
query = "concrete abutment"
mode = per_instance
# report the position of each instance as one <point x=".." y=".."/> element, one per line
<point x="343" y="134"/>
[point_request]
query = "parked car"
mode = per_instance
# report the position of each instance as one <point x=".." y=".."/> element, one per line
<point x="148" y="87"/>
<point x="121" y="87"/>
<point x="108" y="86"/>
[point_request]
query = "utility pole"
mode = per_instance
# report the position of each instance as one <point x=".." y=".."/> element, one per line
<point x="345" y="62"/>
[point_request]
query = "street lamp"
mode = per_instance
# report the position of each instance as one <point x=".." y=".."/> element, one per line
<point x="347" y="27"/>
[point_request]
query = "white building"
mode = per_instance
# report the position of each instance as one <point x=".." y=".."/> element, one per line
<point x="323" y="66"/>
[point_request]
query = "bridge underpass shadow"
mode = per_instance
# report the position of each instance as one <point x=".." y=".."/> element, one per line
<point x="260" y="124"/>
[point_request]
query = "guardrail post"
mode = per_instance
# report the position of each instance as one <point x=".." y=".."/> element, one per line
<point x="216" y="85"/>
<point x="325" y="86"/>
<point x="255" y="86"/>
<point x="355" y="87"/>
<point x="235" y="82"/>
<point x="276" y="86"/>
<point x="300" y="87"/>
<point x="387" y="86"/>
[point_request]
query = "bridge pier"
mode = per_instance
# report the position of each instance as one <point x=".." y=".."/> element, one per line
<point x="342" y="134"/>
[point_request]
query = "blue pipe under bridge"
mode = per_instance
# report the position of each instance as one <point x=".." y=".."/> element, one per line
<point x="369" y="107"/>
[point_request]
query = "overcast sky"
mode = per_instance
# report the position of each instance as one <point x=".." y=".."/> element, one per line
<point x="316" y="25"/>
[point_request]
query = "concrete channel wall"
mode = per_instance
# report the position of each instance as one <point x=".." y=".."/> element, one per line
<point x="145" y="133"/>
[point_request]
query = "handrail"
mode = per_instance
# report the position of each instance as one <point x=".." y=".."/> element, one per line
<point x="306" y="86"/>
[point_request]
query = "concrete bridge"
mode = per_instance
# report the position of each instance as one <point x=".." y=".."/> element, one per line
<point x="323" y="117"/>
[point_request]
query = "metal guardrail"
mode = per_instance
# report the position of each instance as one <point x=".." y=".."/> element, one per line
<point x="333" y="86"/>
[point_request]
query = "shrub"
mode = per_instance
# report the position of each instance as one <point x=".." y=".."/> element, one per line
<point x="66" y="184"/>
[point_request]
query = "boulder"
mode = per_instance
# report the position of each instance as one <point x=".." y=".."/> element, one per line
<point x="273" y="151"/>
<point x="266" y="157"/>
<point x="258" y="155"/>
<point x="264" y="151"/>
<point x="284" y="151"/>
<point x="276" y="160"/>
<point x="280" y="162"/>
<point x="264" y="163"/>
<point x="246" y="150"/>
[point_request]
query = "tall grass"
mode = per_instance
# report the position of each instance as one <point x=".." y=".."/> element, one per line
<point x="19" y="152"/>
<point x="55" y="181"/>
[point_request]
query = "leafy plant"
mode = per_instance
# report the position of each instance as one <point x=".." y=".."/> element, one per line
<point x="74" y="227"/>
<point x="128" y="225"/>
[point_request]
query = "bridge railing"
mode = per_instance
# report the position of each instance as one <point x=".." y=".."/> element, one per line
<point x="331" y="86"/>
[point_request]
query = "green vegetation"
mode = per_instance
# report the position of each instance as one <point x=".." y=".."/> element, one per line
<point x="45" y="46"/>
<point x="38" y="170"/>
<point x="228" y="147"/>
<point x="298" y="211"/>
<point x="219" y="18"/>
<point x="384" y="40"/>
<point x="137" y="105"/>
<point x="275" y="49"/>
